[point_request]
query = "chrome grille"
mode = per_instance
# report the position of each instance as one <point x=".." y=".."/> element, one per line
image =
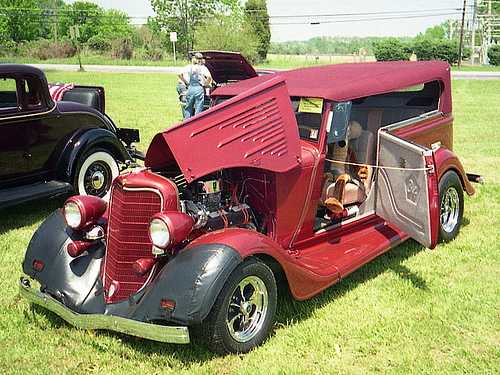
<point x="128" y="240"/>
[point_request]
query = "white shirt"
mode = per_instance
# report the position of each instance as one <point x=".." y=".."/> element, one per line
<point x="203" y="73"/>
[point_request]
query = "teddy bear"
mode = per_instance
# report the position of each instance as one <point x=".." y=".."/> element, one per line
<point x="341" y="151"/>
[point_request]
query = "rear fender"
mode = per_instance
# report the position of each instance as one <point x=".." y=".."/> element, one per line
<point x="84" y="140"/>
<point x="446" y="160"/>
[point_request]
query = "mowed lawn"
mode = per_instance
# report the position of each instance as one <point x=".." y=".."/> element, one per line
<point x="410" y="311"/>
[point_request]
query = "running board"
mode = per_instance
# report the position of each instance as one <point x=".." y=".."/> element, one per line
<point x="26" y="193"/>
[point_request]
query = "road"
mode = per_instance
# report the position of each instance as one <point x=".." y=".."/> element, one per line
<point x="109" y="68"/>
<point x="173" y="70"/>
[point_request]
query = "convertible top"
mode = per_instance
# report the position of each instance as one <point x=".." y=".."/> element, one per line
<point x="350" y="81"/>
<point x="257" y="125"/>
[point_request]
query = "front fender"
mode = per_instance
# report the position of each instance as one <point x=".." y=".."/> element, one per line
<point x="192" y="280"/>
<point x="73" y="281"/>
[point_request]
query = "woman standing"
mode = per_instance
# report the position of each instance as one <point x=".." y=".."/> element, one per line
<point x="196" y="77"/>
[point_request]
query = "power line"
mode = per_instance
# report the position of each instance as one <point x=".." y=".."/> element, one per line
<point x="366" y="19"/>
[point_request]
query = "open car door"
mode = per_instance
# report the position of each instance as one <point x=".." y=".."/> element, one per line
<point x="407" y="189"/>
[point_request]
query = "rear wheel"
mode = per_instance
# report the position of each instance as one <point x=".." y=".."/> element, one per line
<point x="243" y="313"/>
<point x="451" y="206"/>
<point x="95" y="172"/>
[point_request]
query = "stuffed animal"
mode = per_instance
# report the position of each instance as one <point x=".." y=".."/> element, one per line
<point x="342" y="152"/>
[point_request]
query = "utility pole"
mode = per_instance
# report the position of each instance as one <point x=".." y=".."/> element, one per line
<point x="54" y="12"/>
<point x="473" y="33"/>
<point x="461" y="36"/>
<point x="489" y="22"/>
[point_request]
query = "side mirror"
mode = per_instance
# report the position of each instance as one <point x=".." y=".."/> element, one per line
<point x="339" y="122"/>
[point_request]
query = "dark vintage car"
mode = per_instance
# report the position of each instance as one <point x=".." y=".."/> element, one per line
<point x="48" y="147"/>
<point x="295" y="178"/>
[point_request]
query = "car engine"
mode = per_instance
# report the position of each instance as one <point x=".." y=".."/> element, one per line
<point x="213" y="203"/>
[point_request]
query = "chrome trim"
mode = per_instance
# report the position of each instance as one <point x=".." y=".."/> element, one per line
<point x="150" y="331"/>
<point x="423" y="116"/>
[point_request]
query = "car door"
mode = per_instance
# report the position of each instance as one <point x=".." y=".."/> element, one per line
<point x="13" y="143"/>
<point x="407" y="188"/>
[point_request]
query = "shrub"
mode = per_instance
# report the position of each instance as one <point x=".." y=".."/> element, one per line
<point x="438" y="49"/>
<point x="99" y="43"/>
<point x="494" y="55"/>
<point x="122" y="48"/>
<point x="149" y="53"/>
<point x="10" y="49"/>
<point x="63" y="49"/>
<point x="391" y="49"/>
<point x="44" y="49"/>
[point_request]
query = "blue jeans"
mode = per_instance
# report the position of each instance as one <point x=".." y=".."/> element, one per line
<point x="194" y="99"/>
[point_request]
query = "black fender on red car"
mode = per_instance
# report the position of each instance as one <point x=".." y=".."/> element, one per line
<point x="75" y="282"/>
<point x="190" y="282"/>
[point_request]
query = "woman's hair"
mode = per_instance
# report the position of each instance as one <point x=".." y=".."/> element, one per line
<point x="198" y="59"/>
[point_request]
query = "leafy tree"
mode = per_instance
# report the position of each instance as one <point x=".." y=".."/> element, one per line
<point x="19" y="20"/>
<point x="93" y="21"/>
<point x="325" y="45"/>
<point x="391" y="49"/>
<point x="258" y="18"/>
<point x="436" y="32"/>
<point x="226" y="33"/>
<point x="185" y="16"/>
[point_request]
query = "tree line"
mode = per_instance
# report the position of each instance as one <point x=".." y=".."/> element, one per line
<point x="42" y="28"/>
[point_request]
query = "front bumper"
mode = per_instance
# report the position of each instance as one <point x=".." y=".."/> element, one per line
<point x="171" y="334"/>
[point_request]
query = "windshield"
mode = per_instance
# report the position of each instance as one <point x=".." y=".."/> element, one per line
<point x="309" y="115"/>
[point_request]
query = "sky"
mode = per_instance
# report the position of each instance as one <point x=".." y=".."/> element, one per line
<point x="305" y="19"/>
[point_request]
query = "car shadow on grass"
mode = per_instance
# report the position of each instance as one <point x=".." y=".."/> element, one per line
<point x="392" y="260"/>
<point x="28" y="213"/>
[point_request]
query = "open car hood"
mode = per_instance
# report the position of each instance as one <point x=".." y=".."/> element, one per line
<point x="256" y="128"/>
<point x="227" y="67"/>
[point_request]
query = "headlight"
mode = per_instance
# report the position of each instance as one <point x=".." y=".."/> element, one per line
<point x="72" y="215"/>
<point x="159" y="233"/>
<point x="168" y="229"/>
<point x="83" y="210"/>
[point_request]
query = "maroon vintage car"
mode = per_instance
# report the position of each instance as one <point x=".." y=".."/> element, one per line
<point x="306" y="174"/>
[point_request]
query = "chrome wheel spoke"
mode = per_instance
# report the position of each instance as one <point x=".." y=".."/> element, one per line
<point x="247" y="309"/>
<point x="450" y="210"/>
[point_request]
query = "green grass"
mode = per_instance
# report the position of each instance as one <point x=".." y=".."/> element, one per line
<point x="410" y="311"/>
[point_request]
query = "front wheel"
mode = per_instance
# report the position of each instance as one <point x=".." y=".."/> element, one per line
<point x="95" y="172"/>
<point x="243" y="313"/>
<point x="451" y="206"/>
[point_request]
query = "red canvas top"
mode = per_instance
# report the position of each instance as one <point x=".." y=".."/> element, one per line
<point x="349" y="81"/>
